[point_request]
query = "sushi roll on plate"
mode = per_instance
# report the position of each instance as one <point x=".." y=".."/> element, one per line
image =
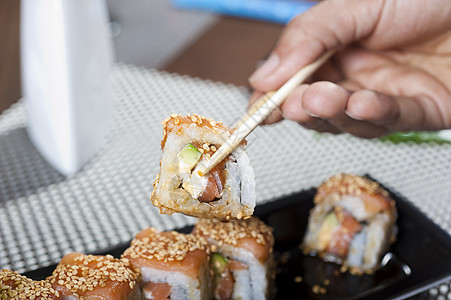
<point x="353" y="223"/>
<point x="80" y="276"/>
<point x="242" y="257"/>
<point x="173" y="265"/>
<point x="226" y="192"/>
<point x="16" y="286"/>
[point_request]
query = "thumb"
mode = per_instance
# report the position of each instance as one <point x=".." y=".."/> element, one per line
<point x="329" y="24"/>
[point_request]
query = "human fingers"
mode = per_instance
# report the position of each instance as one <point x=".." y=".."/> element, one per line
<point x="311" y="33"/>
<point x="293" y="109"/>
<point x="273" y="117"/>
<point x="322" y="106"/>
<point x="363" y="113"/>
<point x="407" y="81"/>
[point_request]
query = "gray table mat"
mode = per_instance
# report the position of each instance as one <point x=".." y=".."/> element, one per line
<point x="44" y="215"/>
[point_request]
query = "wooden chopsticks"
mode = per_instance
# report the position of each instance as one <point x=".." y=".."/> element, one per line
<point x="261" y="109"/>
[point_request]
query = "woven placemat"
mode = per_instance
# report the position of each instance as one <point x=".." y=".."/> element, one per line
<point x="44" y="215"/>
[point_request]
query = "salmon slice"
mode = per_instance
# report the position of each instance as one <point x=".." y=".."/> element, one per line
<point x="341" y="238"/>
<point x="215" y="184"/>
<point x="250" y="234"/>
<point x="235" y="265"/>
<point x="212" y="190"/>
<point x="224" y="285"/>
<point x="168" y="251"/>
<point x="261" y="251"/>
<point x="157" y="291"/>
<point x="104" y="277"/>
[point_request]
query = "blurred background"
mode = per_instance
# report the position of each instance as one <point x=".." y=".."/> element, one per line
<point x="155" y="34"/>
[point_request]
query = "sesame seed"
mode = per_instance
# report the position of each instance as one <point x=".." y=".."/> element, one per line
<point x="16" y="286"/>
<point x="347" y="184"/>
<point x="164" y="246"/>
<point x="80" y="275"/>
<point x="232" y="231"/>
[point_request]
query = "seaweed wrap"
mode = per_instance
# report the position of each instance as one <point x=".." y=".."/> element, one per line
<point x="353" y="223"/>
<point x="173" y="265"/>
<point x="226" y="192"/>
<point x="242" y="257"/>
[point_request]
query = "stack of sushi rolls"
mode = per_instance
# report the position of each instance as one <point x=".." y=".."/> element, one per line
<point x="226" y="192"/>
<point x="218" y="260"/>
<point x="242" y="257"/>
<point x="353" y="223"/>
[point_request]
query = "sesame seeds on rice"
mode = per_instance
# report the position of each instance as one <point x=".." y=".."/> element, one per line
<point x="232" y="231"/>
<point x="165" y="246"/>
<point x="16" y="286"/>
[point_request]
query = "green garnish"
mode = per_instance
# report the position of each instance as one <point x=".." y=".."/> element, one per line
<point x="417" y="137"/>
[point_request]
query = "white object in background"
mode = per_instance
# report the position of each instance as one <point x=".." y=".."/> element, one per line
<point x="67" y="57"/>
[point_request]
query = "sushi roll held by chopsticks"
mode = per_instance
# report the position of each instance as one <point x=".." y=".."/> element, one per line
<point x="226" y="192"/>
<point x="353" y="223"/>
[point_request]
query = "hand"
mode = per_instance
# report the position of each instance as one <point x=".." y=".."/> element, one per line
<point x="392" y="71"/>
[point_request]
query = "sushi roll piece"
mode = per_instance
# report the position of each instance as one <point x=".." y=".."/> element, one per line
<point x="173" y="265"/>
<point x="226" y="192"/>
<point x="242" y="257"/>
<point x="80" y="276"/>
<point x="353" y="223"/>
<point x="16" y="286"/>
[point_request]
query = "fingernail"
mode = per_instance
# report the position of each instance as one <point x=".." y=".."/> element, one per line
<point x="349" y="114"/>
<point x="311" y="114"/>
<point x="266" y="69"/>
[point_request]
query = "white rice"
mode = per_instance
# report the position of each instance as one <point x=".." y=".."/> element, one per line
<point x="257" y="286"/>
<point x="242" y="283"/>
<point x="182" y="287"/>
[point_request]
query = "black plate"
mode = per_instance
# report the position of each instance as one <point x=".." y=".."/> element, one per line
<point x="419" y="259"/>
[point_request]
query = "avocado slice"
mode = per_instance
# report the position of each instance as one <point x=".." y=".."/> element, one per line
<point x="218" y="263"/>
<point x="331" y="220"/>
<point x="329" y="225"/>
<point x="188" y="157"/>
